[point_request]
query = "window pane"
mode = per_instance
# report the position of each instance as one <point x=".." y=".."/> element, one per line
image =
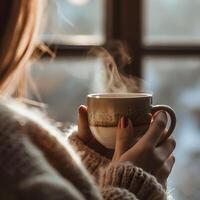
<point x="171" y="22"/>
<point x="176" y="82"/>
<point x="63" y="84"/>
<point x="76" y="22"/>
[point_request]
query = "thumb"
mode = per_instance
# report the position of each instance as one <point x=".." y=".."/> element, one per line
<point x="165" y="171"/>
<point x="84" y="132"/>
<point x="124" y="137"/>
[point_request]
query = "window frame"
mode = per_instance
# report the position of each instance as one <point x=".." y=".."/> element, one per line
<point x="63" y="50"/>
<point x="124" y="22"/>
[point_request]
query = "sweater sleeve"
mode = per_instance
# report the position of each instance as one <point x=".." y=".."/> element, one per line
<point x="92" y="160"/>
<point x="47" y="187"/>
<point x="135" y="180"/>
<point x="116" y="193"/>
<point x="119" y="180"/>
<point x="23" y="169"/>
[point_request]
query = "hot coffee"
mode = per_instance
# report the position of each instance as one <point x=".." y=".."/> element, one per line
<point x="105" y="111"/>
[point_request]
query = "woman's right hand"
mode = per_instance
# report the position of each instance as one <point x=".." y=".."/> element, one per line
<point x="148" y="153"/>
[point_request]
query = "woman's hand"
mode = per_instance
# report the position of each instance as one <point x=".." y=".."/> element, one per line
<point x="148" y="153"/>
<point x="86" y="136"/>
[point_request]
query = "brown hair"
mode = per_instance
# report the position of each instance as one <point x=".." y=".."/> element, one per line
<point x="19" y="25"/>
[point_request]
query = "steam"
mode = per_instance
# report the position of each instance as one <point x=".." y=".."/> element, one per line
<point x="62" y="15"/>
<point x="109" y="78"/>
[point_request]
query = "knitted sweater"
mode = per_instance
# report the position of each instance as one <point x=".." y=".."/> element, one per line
<point x="36" y="161"/>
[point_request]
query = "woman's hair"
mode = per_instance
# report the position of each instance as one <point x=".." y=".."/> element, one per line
<point x="19" y="26"/>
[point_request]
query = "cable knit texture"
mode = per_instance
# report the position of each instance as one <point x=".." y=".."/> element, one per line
<point x="92" y="160"/>
<point x="36" y="162"/>
<point x="116" y="193"/>
<point x="125" y="175"/>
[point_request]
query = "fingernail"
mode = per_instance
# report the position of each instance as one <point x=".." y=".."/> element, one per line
<point x="125" y="122"/>
<point x="120" y="123"/>
<point x="81" y="109"/>
<point x="162" y="116"/>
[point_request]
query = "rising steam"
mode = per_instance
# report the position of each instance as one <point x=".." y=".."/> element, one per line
<point x="110" y="78"/>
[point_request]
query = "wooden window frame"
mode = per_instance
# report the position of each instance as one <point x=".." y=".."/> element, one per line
<point x="124" y="22"/>
<point x="117" y="28"/>
<point x="79" y="50"/>
<point x="130" y="30"/>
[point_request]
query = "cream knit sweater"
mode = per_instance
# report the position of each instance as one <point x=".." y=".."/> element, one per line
<point x="37" y="162"/>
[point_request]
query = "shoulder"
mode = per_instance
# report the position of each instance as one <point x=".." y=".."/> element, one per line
<point x="14" y="111"/>
<point x="35" y="125"/>
<point x="18" y="116"/>
<point x="9" y="117"/>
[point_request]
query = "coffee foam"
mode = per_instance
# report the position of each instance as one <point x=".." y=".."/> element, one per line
<point x="119" y="95"/>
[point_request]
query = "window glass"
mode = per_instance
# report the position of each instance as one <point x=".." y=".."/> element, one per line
<point x="75" y="22"/>
<point x="176" y="82"/>
<point x="171" y="22"/>
<point x="63" y="84"/>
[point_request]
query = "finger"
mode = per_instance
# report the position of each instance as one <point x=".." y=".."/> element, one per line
<point x="165" y="170"/>
<point x="124" y="136"/>
<point x="166" y="148"/>
<point x="163" y="137"/>
<point x="84" y="132"/>
<point x="156" y="129"/>
<point x="139" y="132"/>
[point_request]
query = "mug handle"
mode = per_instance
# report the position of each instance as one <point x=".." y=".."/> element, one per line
<point x="172" y="115"/>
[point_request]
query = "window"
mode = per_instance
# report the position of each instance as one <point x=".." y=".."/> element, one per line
<point x="171" y="22"/>
<point x="72" y="28"/>
<point x="64" y="83"/>
<point x="171" y="66"/>
<point x="76" y="22"/>
<point x="176" y="82"/>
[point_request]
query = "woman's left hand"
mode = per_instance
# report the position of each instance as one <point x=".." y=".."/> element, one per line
<point x="86" y="136"/>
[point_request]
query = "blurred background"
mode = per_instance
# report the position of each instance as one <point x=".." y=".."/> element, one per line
<point x="163" y="37"/>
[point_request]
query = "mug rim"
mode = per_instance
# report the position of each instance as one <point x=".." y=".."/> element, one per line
<point x="119" y="95"/>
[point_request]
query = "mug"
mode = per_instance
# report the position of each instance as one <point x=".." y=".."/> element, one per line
<point x="106" y="109"/>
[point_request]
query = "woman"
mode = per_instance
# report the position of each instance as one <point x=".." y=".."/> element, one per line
<point x="36" y="161"/>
